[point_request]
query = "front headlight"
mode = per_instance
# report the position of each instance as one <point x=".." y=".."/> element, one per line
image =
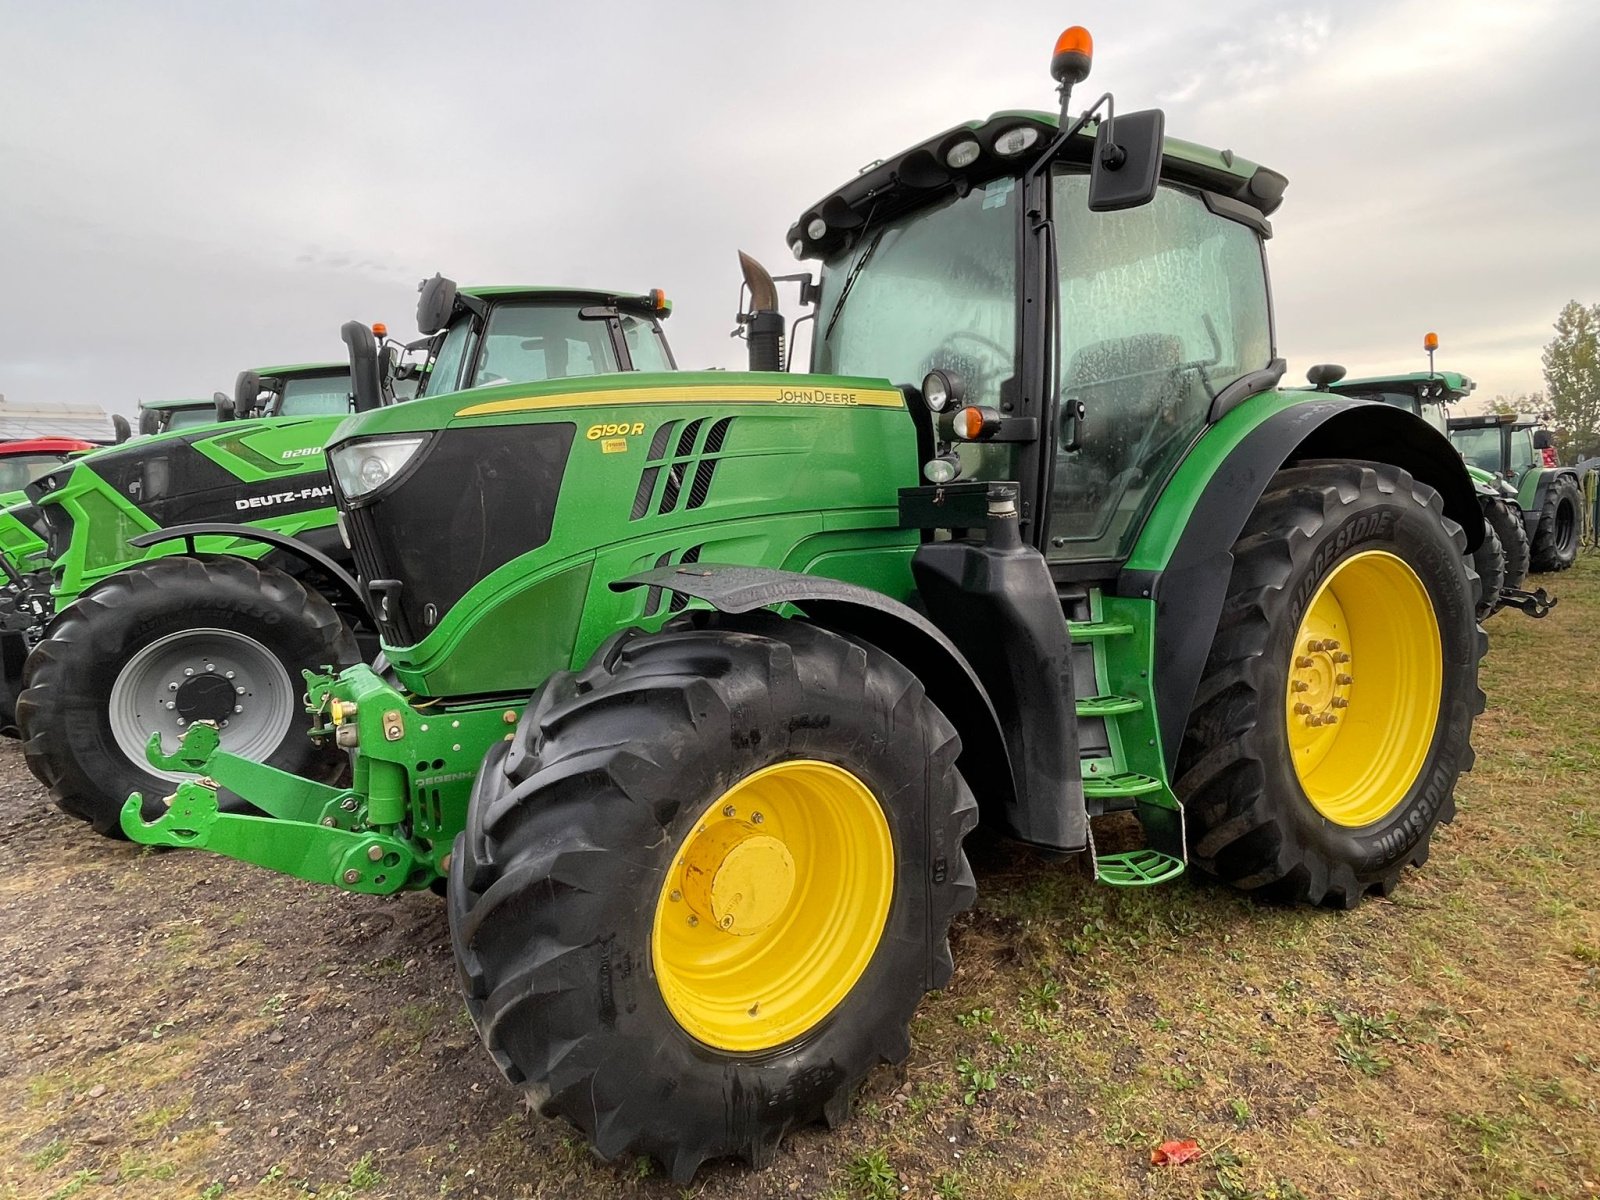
<point x="363" y="467"/>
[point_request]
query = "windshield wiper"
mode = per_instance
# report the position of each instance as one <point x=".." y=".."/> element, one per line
<point x="850" y="281"/>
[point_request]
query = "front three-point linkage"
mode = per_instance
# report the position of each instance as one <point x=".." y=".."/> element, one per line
<point x="311" y="830"/>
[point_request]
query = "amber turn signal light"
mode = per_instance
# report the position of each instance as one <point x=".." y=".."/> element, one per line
<point x="1074" y="54"/>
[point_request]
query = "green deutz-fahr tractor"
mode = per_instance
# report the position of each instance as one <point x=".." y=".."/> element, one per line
<point x="198" y="573"/>
<point x="1501" y="558"/>
<point x="1510" y="452"/>
<point x="1039" y="539"/>
<point x="167" y="416"/>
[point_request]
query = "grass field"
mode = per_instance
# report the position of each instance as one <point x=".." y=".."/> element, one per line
<point x="175" y="1025"/>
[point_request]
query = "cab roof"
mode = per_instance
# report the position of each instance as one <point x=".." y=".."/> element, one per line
<point x="917" y="175"/>
<point x="1454" y="382"/>
<point x="164" y="405"/>
<point x="570" y="295"/>
<point x="299" y="369"/>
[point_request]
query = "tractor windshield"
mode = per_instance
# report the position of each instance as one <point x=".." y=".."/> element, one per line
<point x="188" y="418"/>
<point x="1161" y="307"/>
<point x="530" y="342"/>
<point x="17" y="471"/>
<point x="315" y="396"/>
<point x="1480" y="446"/>
<point x="936" y="288"/>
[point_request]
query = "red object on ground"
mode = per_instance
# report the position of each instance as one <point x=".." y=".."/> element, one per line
<point x="1175" y="1153"/>
<point x="46" y="445"/>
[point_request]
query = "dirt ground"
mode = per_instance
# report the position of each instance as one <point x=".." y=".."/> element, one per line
<point x="177" y="1025"/>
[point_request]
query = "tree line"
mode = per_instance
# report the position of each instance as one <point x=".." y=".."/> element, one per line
<point x="1569" y="406"/>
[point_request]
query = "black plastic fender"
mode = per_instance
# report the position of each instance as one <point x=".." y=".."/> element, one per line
<point x="293" y="547"/>
<point x="897" y="630"/>
<point x="1188" y="592"/>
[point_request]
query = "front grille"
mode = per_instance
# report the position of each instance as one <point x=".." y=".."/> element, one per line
<point x="475" y="500"/>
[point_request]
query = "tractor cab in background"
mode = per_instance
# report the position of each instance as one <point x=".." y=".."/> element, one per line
<point x="162" y="416"/>
<point x="1551" y="498"/>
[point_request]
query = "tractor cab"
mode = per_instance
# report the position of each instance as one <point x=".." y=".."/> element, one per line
<point x="162" y="416"/>
<point x="1498" y="443"/>
<point x="302" y="390"/>
<point x="1426" y="394"/>
<point x="24" y="460"/>
<point x="493" y="335"/>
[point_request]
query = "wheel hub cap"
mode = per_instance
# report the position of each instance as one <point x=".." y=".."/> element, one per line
<point x="205" y="698"/>
<point x="1364" y="688"/>
<point x="773" y="905"/>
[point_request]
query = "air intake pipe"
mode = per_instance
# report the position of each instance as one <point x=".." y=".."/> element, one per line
<point x="365" y="387"/>
<point x="763" y="324"/>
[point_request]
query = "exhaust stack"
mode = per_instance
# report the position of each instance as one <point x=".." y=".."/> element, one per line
<point x="763" y="323"/>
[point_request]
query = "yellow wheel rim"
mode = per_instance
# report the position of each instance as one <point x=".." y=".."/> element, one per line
<point x="773" y="905"/>
<point x="1364" y="687"/>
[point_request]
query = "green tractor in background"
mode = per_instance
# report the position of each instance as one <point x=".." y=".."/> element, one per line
<point x="197" y="573"/>
<point x="1502" y="557"/>
<point x="167" y="416"/>
<point x="695" y="683"/>
<point x="1511" y="452"/>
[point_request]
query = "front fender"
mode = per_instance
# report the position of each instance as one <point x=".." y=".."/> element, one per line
<point x="899" y="631"/>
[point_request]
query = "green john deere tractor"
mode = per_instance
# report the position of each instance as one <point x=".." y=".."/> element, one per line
<point x="197" y="573"/>
<point x="695" y="683"/>
<point x="1501" y="558"/>
<point x="1551" y="499"/>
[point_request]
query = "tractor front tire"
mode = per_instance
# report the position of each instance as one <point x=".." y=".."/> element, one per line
<point x="1506" y="521"/>
<point x="1336" y="706"/>
<point x="1555" y="541"/>
<point x="160" y="645"/>
<point x="1489" y="562"/>
<point x="705" y="885"/>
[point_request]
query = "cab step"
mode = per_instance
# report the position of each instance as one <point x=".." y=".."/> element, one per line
<point x="1084" y="631"/>
<point x="1136" y="868"/>
<point x="1120" y="785"/>
<point x="1108" y="706"/>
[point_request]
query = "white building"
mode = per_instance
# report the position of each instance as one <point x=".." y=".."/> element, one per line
<point x="87" y="421"/>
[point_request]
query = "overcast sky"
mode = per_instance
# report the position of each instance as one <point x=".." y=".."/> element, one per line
<point x="187" y="189"/>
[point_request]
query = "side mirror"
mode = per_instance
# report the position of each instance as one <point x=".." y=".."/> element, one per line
<point x="1127" y="161"/>
<point x="224" y="405"/>
<point x="120" y="426"/>
<point x="1324" y="375"/>
<point x="149" y="422"/>
<point x="245" y="390"/>
<point x="436" y="304"/>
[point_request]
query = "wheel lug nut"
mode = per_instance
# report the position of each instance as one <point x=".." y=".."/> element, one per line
<point x="1345" y="679"/>
<point x="1332" y="644"/>
<point x="1300" y="685"/>
<point x="1340" y="702"/>
<point x="181" y="721"/>
<point x="172" y="704"/>
<point x="756" y="818"/>
<point x="1302" y="661"/>
<point x="725" y="923"/>
<point x="1341" y="657"/>
<point x="728" y="810"/>
<point x="693" y="920"/>
<point x="238" y="691"/>
<point x="238" y="708"/>
<point x="172" y="687"/>
<point x="1302" y="707"/>
<point x="188" y="670"/>
<point x="675" y="896"/>
<point x="210" y="667"/>
<point x="227" y="674"/>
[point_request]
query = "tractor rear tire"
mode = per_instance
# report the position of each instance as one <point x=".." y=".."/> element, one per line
<point x="810" y="770"/>
<point x="1506" y="521"/>
<point x="1489" y="561"/>
<point x="1555" y="541"/>
<point x="102" y="670"/>
<point x="1350" y="598"/>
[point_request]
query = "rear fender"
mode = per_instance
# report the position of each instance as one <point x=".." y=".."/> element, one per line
<point x="1188" y="591"/>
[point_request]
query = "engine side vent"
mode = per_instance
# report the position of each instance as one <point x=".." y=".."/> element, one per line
<point x="684" y="477"/>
